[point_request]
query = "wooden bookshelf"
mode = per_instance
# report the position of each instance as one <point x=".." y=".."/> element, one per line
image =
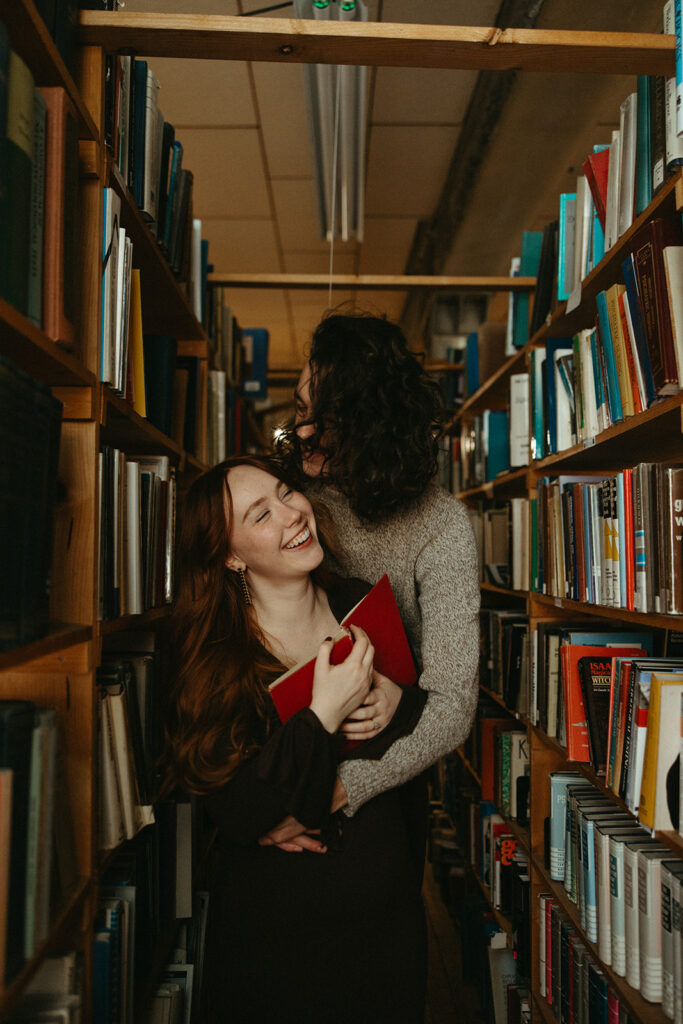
<point x="122" y="426"/>
<point x="31" y="350"/>
<point x="146" y="620"/>
<point x="374" y="282"/>
<point x="504" y="485"/>
<point x="378" y="44"/>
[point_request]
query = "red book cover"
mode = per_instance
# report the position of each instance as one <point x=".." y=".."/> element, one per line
<point x="377" y="613"/>
<point x="578" y="745"/>
<point x="596" y="170"/>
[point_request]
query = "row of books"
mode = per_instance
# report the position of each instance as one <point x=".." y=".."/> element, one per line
<point x="505" y="660"/>
<point x="501" y="532"/>
<point x="625" y="885"/>
<point x="137" y="498"/>
<point x="612" y="540"/>
<point x="30" y="429"/>
<point x="38" y="224"/>
<point x="37" y="864"/>
<point x="572" y="981"/>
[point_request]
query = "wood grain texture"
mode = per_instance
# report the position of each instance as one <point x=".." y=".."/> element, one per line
<point x="368" y="282"/>
<point x="218" y="37"/>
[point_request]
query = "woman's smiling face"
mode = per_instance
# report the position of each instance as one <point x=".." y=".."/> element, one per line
<point x="272" y="527"/>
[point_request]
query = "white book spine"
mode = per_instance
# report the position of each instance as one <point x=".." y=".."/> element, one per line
<point x="616" y="877"/>
<point x="590" y="877"/>
<point x="541" y="944"/>
<point x="133" y="540"/>
<point x="677" y="931"/>
<point x="627" y="128"/>
<point x="650" y="905"/>
<point x="602" y="881"/>
<point x="196" y="268"/>
<point x="151" y="185"/>
<point x="631" y="924"/>
<point x="115" y="365"/>
<point x="612" y="200"/>
<point x="519" y="420"/>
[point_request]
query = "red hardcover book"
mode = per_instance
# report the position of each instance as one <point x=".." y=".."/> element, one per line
<point x="486" y="755"/>
<point x="648" y="244"/>
<point x="377" y="613"/>
<point x="596" y="170"/>
<point x="578" y="745"/>
<point x="61" y="227"/>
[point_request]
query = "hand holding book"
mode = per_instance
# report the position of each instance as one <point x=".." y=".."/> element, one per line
<point x="338" y="689"/>
<point x="375" y="713"/>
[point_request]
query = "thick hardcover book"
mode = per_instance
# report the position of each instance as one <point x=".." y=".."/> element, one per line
<point x="659" y="798"/>
<point x="530" y="259"/>
<point x="37" y="227"/>
<point x="647" y="246"/>
<point x="377" y="613"/>
<point x="16" y="219"/>
<point x="60" y="296"/>
<point x="160" y="351"/>
<point x="595" y="676"/>
<point x="139" y="131"/>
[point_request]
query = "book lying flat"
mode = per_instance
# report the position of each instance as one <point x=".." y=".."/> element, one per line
<point x="377" y="613"/>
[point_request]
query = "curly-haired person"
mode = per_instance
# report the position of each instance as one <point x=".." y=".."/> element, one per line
<point x="366" y="435"/>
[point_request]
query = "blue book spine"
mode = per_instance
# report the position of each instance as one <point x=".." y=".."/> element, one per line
<point x="630" y="280"/>
<point x="613" y="396"/>
<point x="565" y="245"/>
<point x="528" y="267"/>
<point x="598" y="239"/>
<point x="643" y="147"/>
<point x="140" y="131"/>
<point x="176" y="164"/>
<point x="255" y="384"/>
<point x="472" y="357"/>
<point x="552" y="346"/>
<point x="597" y="373"/>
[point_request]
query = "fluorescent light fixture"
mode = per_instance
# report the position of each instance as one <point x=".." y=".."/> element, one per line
<point x="335" y="96"/>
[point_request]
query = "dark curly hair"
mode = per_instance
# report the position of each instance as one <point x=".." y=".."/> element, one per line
<point x="376" y="414"/>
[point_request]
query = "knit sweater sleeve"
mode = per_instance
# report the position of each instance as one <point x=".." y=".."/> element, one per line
<point x="447" y="583"/>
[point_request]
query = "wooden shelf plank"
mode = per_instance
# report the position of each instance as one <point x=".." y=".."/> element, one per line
<point x="62" y="928"/>
<point x="543" y="1008"/>
<point x="652" y="619"/>
<point x="382" y="282"/>
<point x="60" y="637"/>
<point x="494" y="392"/>
<point x="660" y="424"/>
<point x="469" y="766"/>
<point x="31" y="350"/>
<point x="125" y="622"/>
<point x="514" y="480"/>
<point x="32" y="41"/>
<point x="491" y="588"/>
<point x="165" y="307"/>
<point x="122" y="427"/>
<point x="290" y="40"/>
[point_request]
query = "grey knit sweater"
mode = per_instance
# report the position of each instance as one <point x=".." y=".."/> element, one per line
<point x="429" y="554"/>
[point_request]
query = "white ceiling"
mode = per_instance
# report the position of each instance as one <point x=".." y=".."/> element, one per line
<point x="245" y="138"/>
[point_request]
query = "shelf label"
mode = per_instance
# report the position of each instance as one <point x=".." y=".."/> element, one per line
<point x="588" y="442"/>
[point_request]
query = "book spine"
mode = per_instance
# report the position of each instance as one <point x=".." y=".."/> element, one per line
<point x="650" y="908"/>
<point x="35" y="279"/>
<point x="678" y="29"/>
<point x="668" y="990"/>
<point x="618" y="925"/>
<point x="631" y="924"/>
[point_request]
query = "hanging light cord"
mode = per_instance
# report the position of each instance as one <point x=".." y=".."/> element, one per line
<point x="333" y="197"/>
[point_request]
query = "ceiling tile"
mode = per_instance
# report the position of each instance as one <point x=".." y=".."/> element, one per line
<point x="406" y="169"/>
<point x="297" y="215"/>
<point x="421" y="95"/>
<point x="204" y="92"/>
<point x="229" y="179"/>
<point x="387" y="244"/>
<point x="436" y="12"/>
<point x="319" y="263"/>
<point x="247" y="246"/>
<point x="282" y="107"/>
<point x="381" y="303"/>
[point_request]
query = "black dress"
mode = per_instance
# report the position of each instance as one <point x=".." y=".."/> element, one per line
<point x="337" y="937"/>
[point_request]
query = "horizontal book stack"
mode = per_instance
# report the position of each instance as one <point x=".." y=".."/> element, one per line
<point x="625" y="885"/>
<point x="37" y="866"/>
<point x="137" y="530"/>
<point x="38" y="226"/>
<point x="501" y="530"/>
<point x="30" y="430"/>
<point x="612" y="541"/>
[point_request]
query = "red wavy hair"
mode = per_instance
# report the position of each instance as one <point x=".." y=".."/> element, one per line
<point x="218" y="701"/>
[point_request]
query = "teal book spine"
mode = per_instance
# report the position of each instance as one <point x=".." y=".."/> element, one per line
<point x="643" y="148"/>
<point x="528" y="267"/>
<point x="35" y="267"/>
<point x="565" y="246"/>
<point x="613" y="395"/>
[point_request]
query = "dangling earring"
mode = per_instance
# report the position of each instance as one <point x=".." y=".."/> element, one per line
<point x="245" y="588"/>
